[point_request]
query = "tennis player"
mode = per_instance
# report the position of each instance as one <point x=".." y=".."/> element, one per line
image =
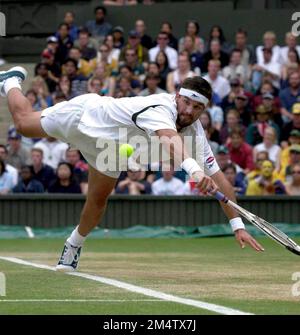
<point x="86" y="118"/>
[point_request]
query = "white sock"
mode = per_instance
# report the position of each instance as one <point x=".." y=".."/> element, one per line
<point x="11" y="83"/>
<point x="76" y="239"/>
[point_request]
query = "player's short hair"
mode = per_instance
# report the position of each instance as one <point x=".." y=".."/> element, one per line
<point x="198" y="84"/>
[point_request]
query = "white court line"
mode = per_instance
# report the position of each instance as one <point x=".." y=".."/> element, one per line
<point x="29" y="232"/>
<point x="137" y="289"/>
<point x="79" y="300"/>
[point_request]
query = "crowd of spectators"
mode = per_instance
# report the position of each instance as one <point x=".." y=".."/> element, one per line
<point x="252" y="124"/>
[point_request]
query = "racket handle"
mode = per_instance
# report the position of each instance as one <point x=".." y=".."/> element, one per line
<point x="221" y="197"/>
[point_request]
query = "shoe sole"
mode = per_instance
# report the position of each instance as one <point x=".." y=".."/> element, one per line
<point x="17" y="71"/>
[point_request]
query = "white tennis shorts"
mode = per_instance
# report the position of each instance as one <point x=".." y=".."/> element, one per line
<point x="62" y="120"/>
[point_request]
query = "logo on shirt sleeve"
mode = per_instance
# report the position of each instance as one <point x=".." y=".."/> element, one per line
<point x="210" y="162"/>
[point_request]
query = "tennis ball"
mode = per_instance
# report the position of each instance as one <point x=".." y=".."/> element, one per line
<point x="126" y="150"/>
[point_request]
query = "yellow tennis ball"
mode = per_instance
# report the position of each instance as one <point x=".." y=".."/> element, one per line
<point x="126" y="150"/>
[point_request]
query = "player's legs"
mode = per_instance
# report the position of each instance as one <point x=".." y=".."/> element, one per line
<point x="100" y="187"/>
<point x="26" y="120"/>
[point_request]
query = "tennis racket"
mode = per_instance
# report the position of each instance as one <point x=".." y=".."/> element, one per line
<point x="266" y="227"/>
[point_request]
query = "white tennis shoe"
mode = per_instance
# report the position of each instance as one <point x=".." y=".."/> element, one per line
<point x="17" y="72"/>
<point x="69" y="258"/>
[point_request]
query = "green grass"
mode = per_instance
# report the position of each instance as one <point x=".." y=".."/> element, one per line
<point x="213" y="270"/>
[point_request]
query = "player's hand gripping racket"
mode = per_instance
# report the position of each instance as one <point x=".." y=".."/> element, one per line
<point x="266" y="227"/>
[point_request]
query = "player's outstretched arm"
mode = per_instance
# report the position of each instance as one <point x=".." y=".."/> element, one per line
<point x="173" y="144"/>
<point x="241" y="235"/>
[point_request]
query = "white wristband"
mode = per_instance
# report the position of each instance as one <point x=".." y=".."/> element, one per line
<point x="190" y="166"/>
<point x="236" y="224"/>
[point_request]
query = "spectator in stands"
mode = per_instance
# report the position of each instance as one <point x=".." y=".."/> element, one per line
<point x="168" y="184"/>
<point x="69" y="19"/>
<point x="238" y="183"/>
<point x="65" y="43"/>
<point x="216" y="32"/>
<point x="232" y="121"/>
<point x="64" y="182"/>
<point x="289" y="96"/>
<point x="295" y="124"/>
<point x="223" y="158"/>
<point x="241" y="104"/>
<point x="266" y="67"/>
<point x="108" y="84"/>
<point x="248" y="53"/>
<point x="99" y="28"/>
<point x="6" y="179"/>
<point x="257" y="129"/>
<point x="52" y="44"/>
<point x="40" y="88"/>
<point x="214" y="53"/>
<point x="64" y="87"/>
<point x="207" y="124"/>
<point x="260" y="158"/>
<point x="41" y="70"/>
<point x="146" y="40"/>
<point x="131" y="60"/>
<point x="54" y="151"/>
<point x="270" y="145"/>
<point x="17" y="154"/>
<point x="294" y="138"/>
<point x="78" y="81"/>
<point x="219" y="84"/>
<point x="83" y="66"/>
<point x="124" y="88"/>
<point x="240" y="152"/>
<point x="152" y="82"/>
<point x="291" y="65"/>
<point x="126" y="71"/>
<point x="293" y="187"/>
<point x="196" y="56"/>
<point x="134" y="42"/>
<point x="294" y="158"/>
<point x="111" y="55"/>
<point x="36" y="104"/>
<point x="291" y="44"/>
<point x="86" y="46"/>
<point x="134" y="184"/>
<point x="164" y="70"/>
<point x="167" y="28"/>
<point x="80" y="168"/>
<point x="183" y="71"/>
<point x="235" y="69"/>
<point x="269" y="103"/>
<point x="192" y="29"/>
<point x="27" y="183"/>
<point x="269" y="42"/>
<point x="236" y="88"/>
<point x="110" y="65"/>
<point x="265" y="183"/>
<point x="95" y="86"/>
<point x="217" y="116"/>
<point x="9" y="168"/>
<point x="40" y="171"/>
<point x="162" y="45"/>
<point x="48" y="58"/>
<point x="118" y="37"/>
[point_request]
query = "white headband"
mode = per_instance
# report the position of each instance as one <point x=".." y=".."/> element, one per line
<point x="193" y="95"/>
